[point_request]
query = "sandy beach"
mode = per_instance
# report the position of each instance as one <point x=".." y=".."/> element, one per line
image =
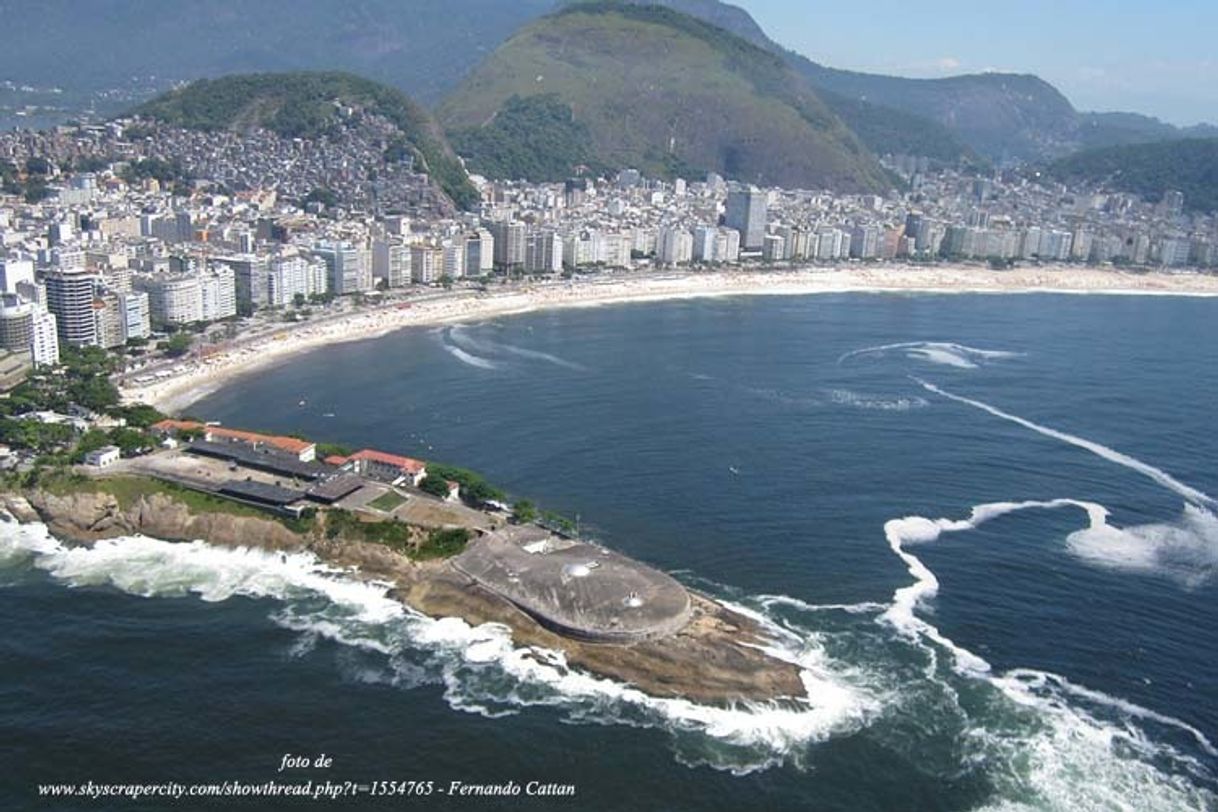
<point x="174" y="387"/>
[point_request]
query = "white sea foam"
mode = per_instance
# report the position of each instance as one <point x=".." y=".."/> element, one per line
<point x="1161" y="477"/>
<point x="847" y="397"/>
<point x="861" y="608"/>
<point x="1186" y="551"/>
<point x="1086" y="750"/>
<point x="482" y="670"/>
<point x="484" y="673"/>
<point x="945" y="353"/>
<point x="1091" y="751"/>
<point x="914" y="530"/>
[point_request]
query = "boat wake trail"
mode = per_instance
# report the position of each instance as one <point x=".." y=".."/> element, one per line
<point x="458" y="337"/>
<point x="1190" y="494"/>
<point x="1185" y="551"/>
<point x="469" y="358"/>
<point x="1076" y="748"/>
<point x="944" y="353"/>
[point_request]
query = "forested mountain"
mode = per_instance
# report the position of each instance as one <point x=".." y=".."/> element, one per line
<point x="1189" y="166"/>
<point x="658" y="90"/>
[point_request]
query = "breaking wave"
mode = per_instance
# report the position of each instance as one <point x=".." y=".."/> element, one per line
<point x="1186" y="551"/>
<point x="872" y="668"/>
<point x="1086" y="750"/>
<point x="944" y="353"/>
<point x="482" y="670"/>
<point x="876" y="669"/>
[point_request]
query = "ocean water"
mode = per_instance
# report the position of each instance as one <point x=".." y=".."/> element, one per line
<point x="983" y="525"/>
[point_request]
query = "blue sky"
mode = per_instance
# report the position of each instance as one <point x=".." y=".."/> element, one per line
<point x="1146" y="57"/>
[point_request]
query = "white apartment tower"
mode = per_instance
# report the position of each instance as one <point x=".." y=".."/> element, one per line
<point x="70" y="295"/>
<point x="350" y="268"/>
<point x="44" y="338"/>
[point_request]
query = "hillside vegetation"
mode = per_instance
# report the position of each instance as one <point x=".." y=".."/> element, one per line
<point x="303" y="104"/>
<point x="535" y="137"/>
<point x="888" y="131"/>
<point x="663" y="92"/>
<point x="1190" y="165"/>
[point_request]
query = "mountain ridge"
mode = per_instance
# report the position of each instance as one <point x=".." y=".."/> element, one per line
<point x="1002" y="107"/>
<point x="659" y="90"/>
<point x="426" y="55"/>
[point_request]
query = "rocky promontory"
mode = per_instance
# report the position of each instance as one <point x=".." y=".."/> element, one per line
<point x="716" y="657"/>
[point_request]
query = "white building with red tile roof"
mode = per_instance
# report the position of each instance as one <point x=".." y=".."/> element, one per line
<point x="302" y="450"/>
<point x="379" y="465"/>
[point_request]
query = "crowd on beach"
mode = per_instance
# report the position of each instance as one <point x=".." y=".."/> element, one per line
<point x="188" y="381"/>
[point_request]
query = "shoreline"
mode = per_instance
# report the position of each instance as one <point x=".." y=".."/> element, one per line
<point x="190" y="380"/>
<point x="716" y="656"/>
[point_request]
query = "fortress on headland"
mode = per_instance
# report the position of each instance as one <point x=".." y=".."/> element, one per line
<point x="576" y="589"/>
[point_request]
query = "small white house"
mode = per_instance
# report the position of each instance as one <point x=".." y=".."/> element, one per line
<point x="103" y="457"/>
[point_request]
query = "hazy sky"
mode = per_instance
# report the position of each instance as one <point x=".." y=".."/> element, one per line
<point x="1158" y="58"/>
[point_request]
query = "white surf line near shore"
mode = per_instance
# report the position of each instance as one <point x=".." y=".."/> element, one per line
<point x="1189" y="493"/>
<point x="452" y="341"/>
<point x="193" y="381"/>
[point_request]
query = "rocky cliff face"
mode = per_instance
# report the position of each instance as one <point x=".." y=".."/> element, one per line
<point x="86" y="517"/>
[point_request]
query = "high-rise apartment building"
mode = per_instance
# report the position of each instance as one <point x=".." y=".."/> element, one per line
<point x="70" y="295"/>
<point x="508" y="246"/>
<point x="350" y="267"/>
<point x="747" y="211"/>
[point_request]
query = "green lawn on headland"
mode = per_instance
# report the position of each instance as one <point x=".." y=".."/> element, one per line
<point x="387" y="501"/>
